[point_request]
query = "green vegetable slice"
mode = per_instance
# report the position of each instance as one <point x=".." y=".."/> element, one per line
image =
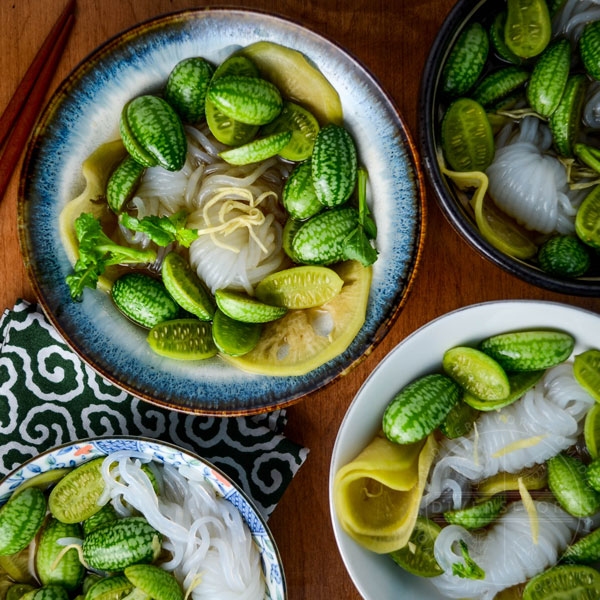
<point x="417" y="556"/>
<point x="587" y="372"/>
<point x="591" y="431"/>
<point x="232" y="337"/>
<point x="258" y="150"/>
<point x="587" y="221"/>
<point x="528" y="28"/>
<point x="241" y="307"/>
<point x="565" y="582"/>
<point x="182" y="339"/>
<point x="478" y="515"/>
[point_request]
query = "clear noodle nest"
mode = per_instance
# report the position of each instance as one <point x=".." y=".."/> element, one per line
<point x="549" y="416"/>
<point x="213" y="555"/>
<point x="236" y="210"/>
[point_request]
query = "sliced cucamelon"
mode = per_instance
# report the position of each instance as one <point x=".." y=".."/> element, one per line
<point x="419" y="408"/>
<point x="290" y="229"/>
<point x="417" y="556"/>
<point x="497" y="40"/>
<point x="304" y="128"/>
<point x="459" y="420"/>
<point x="299" y="197"/>
<point x="500" y="84"/>
<point x="479" y="515"/>
<point x="528" y="29"/>
<point x="566" y="480"/>
<point x="186" y="288"/>
<point x="69" y="572"/>
<point x="243" y="308"/>
<point x="122" y="184"/>
<point x="529" y="350"/>
<point x="88" y="581"/>
<point x="549" y="78"/>
<point x="232" y="337"/>
<point x="182" y="339"/>
<point x="257" y="150"/>
<point x="587" y="221"/>
<point x="44" y="480"/>
<point x="16" y="566"/>
<point x="564" y="256"/>
<point x="129" y="541"/>
<point x="143" y="299"/>
<point x="18" y="590"/>
<point x="187" y="86"/>
<point x="20" y="519"/>
<point x="154" y="582"/>
<point x="568" y="582"/>
<point x="249" y="100"/>
<point x="586" y="369"/>
<point x="466" y="61"/>
<point x="565" y="120"/>
<point x="48" y="592"/>
<point x="589" y="47"/>
<point x="320" y="240"/>
<point x="157" y="129"/>
<point x="109" y="588"/>
<point x="467" y="138"/>
<point x="334" y="166"/>
<point x="75" y="497"/>
<point x="586" y="550"/>
<point x="592" y="475"/>
<point x="477" y="373"/>
<point x="105" y="516"/>
<point x="133" y="147"/>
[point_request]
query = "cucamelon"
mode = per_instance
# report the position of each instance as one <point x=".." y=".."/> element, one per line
<point x="122" y="184"/>
<point x="187" y="86"/>
<point x="299" y="197"/>
<point x="500" y="84"/>
<point x="565" y="120"/>
<point x="20" y="519"/>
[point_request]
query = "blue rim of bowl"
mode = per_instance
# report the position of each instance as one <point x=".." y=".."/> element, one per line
<point x="397" y="304"/>
<point x="178" y="449"/>
<point x="453" y="211"/>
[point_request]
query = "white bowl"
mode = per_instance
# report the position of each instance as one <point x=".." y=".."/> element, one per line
<point x="376" y="576"/>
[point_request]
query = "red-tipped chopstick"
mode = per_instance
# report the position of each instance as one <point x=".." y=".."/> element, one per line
<point x="30" y="94"/>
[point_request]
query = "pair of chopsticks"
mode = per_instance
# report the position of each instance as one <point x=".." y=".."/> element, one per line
<point x="30" y="94"/>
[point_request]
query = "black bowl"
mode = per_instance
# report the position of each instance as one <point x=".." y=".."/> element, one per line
<point x="429" y="134"/>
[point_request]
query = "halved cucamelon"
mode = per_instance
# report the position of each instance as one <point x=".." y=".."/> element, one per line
<point x="592" y="475"/>
<point x="419" y="408"/>
<point x="479" y="515"/>
<point x="243" y="308"/>
<point x="587" y="221"/>
<point x="122" y="184"/>
<point x="299" y="196"/>
<point x="589" y="47"/>
<point x="16" y="566"/>
<point x="565" y="120"/>
<point x="586" y="550"/>
<point x="498" y="41"/>
<point x="529" y="350"/>
<point x="459" y="420"/>
<point x="257" y="150"/>
<point x="320" y="240"/>
<point x="565" y="581"/>
<point x="109" y="588"/>
<point x="564" y="256"/>
<point x="334" y="165"/>
<point x="290" y="229"/>
<point x="155" y="582"/>
<point x="143" y="299"/>
<point x="417" y="556"/>
<point x="18" y="590"/>
<point x="182" y="339"/>
<point x="591" y="430"/>
<point x="249" y="100"/>
<point x="75" y="497"/>
<point x="528" y="28"/>
<point x="466" y="61"/>
<point x="232" y="337"/>
<point x="586" y="369"/>
<point x="187" y="86"/>
<point x="500" y="84"/>
<point x="20" y="519"/>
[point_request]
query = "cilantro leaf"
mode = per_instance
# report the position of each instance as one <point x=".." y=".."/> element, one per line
<point x="470" y="570"/>
<point x="162" y="230"/>
<point x="358" y="247"/>
<point x="364" y="214"/>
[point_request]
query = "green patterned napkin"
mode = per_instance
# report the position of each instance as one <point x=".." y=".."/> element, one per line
<point x="48" y="397"/>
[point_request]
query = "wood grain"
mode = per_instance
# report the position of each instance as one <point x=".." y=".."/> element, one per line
<point x="390" y="38"/>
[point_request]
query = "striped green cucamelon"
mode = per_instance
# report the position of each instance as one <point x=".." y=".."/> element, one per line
<point x="232" y="337"/>
<point x="69" y="571"/>
<point x="585" y="551"/>
<point x="497" y="40"/>
<point x="565" y="581"/>
<point x="500" y="84"/>
<point x="18" y="590"/>
<point x="122" y="184"/>
<point x="479" y="515"/>
<point x="290" y="229"/>
<point x="467" y="138"/>
<point x="554" y="6"/>
<point x="133" y="147"/>
<point x="564" y="256"/>
<point x="459" y="421"/>
<point x="225" y="129"/>
<point x="528" y="28"/>
<point x="592" y="475"/>
<point x="88" y="581"/>
<point x="20" y="519"/>
<point x="566" y="480"/>
<point x="127" y="542"/>
<point x="334" y="165"/>
<point x="299" y="197"/>
<point x="320" y="240"/>
<point x="589" y="47"/>
<point x="257" y="150"/>
<point x="49" y="592"/>
<point x="549" y="78"/>
<point x="250" y="100"/>
<point x="143" y="299"/>
<point x="109" y="588"/>
<point x="156" y="128"/>
<point x="241" y="307"/>
<point x="105" y="516"/>
<point x="419" y="408"/>
<point x="529" y="350"/>
<point x="466" y="61"/>
<point x="182" y="339"/>
<point x="187" y="86"/>
<point x="155" y="582"/>
<point x="565" y="120"/>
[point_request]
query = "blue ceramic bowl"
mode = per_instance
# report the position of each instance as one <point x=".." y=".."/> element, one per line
<point x="84" y="113"/>
<point x="77" y="453"/>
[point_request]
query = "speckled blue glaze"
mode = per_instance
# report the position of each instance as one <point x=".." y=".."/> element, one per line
<point x="77" y="453"/>
<point x="84" y="113"/>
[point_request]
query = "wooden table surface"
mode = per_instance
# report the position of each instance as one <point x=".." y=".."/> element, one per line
<point x="392" y="38"/>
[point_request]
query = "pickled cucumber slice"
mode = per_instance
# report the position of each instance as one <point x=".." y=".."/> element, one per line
<point x="528" y="27"/>
<point x="534" y="478"/>
<point x="258" y="150"/>
<point x="234" y="337"/>
<point x="246" y="309"/>
<point x="182" y="339"/>
<point x="304" y="128"/>
<point x="417" y="556"/>
<point x="300" y="287"/>
<point x="565" y="582"/>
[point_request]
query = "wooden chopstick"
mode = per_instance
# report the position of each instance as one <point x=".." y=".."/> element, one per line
<point x="28" y="116"/>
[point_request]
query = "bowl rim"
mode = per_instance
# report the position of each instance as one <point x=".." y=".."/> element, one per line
<point x="179" y="449"/>
<point x="454" y="20"/>
<point x="336" y="446"/>
<point x="413" y="162"/>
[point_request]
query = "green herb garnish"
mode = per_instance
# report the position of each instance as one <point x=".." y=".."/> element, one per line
<point x="162" y="230"/>
<point x="470" y="570"/>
